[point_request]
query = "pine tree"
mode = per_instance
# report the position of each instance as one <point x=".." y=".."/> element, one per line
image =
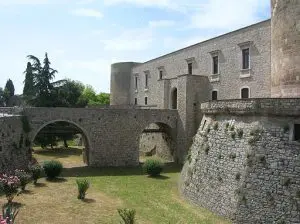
<point x="29" y="86"/>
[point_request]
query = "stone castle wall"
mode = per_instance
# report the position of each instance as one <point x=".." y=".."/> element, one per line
<point x="244" y="163"/>
<point x="14" y="149"/>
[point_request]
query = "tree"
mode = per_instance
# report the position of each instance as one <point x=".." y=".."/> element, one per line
<point x="2" y="98"/>
<point x="9" y="87"/>
<point x="43" y="86"/>
<point x="103" y="98"/>
<point x="29" y="87"/>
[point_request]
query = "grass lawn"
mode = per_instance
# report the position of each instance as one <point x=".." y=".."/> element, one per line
<point x="155" y="200"/>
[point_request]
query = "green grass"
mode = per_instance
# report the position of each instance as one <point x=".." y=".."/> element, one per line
<point x="156" y="200"/>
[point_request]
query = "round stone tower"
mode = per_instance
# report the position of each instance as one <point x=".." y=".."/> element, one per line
<point x="120" y="80"/>
<point x="285" y="50"/>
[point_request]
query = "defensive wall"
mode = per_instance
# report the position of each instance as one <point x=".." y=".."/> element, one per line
<point x="244" y="162"/>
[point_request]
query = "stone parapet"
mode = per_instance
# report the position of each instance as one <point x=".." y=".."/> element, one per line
<point x="266" y="106"/>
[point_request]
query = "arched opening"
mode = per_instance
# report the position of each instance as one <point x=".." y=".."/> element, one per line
<point x="62" y="140"/>
<point x="174" y="99"/>
<point x="245" y="93"/>
<point x="157" y="140"/>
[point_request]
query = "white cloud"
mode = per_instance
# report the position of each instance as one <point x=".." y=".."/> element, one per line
<point x="130" y="40"/>
<point x="161" y="23"/>
<point x="87" y="13"/>
<point x="227" y="15"/>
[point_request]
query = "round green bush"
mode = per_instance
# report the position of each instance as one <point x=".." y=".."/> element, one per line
<point x="52" y="168"/>
<point x="153" y="167"/>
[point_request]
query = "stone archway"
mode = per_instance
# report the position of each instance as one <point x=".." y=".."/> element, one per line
<point x="77" y="129"/>
<point x="157" y="139"/>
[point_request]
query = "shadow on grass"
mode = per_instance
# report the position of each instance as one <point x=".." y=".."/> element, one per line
<point x="59" y="152"/>
<point x="160" y="177"/>
<point x="40" y="185"/>
<point x="26" y="192"/>
<point x="57" y="180"/>
<point x="15" y="204"/>
<point x="89" y="200"/>
<point x="115" y="171"/>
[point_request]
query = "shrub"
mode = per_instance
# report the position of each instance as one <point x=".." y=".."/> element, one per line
<point x="52" y="168"/>
<point x="10" y="185"/>
<point x="83" y="186"/>
<point x="24" y="178"/>
<point x="240" y="132"/>
<point x="127" y="215"/>
<point x="216" y="125"/>
<point x="36" y="171"/>
<point x="153" y="167"/>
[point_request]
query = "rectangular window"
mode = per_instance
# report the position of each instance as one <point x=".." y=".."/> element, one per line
<point x="245" y="93"/>
<point x="135" y="101"/>
<point x="190" y="68"/>
<point x="160" y="74"/>
<point x="214" y="95"/>
<point x="146" y="81"/>
<point x="216" y="65"/>
<point x="297" y="132"/>
<point x="136" y="82"/>
<point x="146" y="100"/>
<point x="246" y="58"/>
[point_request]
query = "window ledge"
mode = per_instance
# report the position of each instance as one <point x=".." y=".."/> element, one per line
<point x="146" y="89"/>
<point x="245" y="73"/>
<point x="214" y="77"/>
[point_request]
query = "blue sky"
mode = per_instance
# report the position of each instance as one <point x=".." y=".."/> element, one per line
<point x="83" y="37"/>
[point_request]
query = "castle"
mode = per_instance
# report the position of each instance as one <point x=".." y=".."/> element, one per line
<point x="230" y="105"/>
<point x="238" y="103"/>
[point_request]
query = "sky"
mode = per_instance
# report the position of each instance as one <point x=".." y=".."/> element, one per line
<point x="84" y="37"/>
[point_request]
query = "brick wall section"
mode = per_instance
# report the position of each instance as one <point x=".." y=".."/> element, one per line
<point x="175" y="64"/>
<point x="13" y="152"/>
<point x="112" y="134"/>
<point x="253" y="178"/>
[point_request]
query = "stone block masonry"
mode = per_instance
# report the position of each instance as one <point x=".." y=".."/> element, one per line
<point x="112" y="135"/>
<point x="245" y="166"/>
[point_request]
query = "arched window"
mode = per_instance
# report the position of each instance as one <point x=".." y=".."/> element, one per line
<point x="214" y="95"/>
<point x="245" y="93"/>
<point x="174" y="99"/>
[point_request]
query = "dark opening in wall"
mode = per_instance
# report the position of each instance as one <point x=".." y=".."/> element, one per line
<point x="297" y="132"/>
<point x="214" y="95"/>
<point x="135" y="101"/>
<point x="174" y="99"/>
<point x="146" y="100"/>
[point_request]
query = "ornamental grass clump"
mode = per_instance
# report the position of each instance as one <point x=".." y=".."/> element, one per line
<point x="83" y="186"/>
<point x="127" y="215"/>
<point x="52" y="169"/>
<point x="36" y="172"/>
<point x="24" y="178"/>
<point x="10" y="186"/>
<point x="153" y="167"/>
<point x="9" y="214"/>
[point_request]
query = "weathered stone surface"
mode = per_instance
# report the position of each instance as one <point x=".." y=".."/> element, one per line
<point x="251" y="177"/>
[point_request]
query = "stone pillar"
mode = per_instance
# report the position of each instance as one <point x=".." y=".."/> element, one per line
<point x="285" y="49"/>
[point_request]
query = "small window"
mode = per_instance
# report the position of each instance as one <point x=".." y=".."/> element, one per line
<point x="245" y="93"/>
<point x="246" y="58"/>
<point x="214" y="95"/>
<point x="146" y="100"/>
<point x="216" y="65"/>
<point x="160" y="74"/>
<point x="190" y="68"/>
<point x="135" y="101"/>
<point x="297" y="132"/>
<point x="136" y="82"/>
<point x="146" y="80"/>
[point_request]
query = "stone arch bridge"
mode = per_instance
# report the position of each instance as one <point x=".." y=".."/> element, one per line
<point x="111" y="135"/>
